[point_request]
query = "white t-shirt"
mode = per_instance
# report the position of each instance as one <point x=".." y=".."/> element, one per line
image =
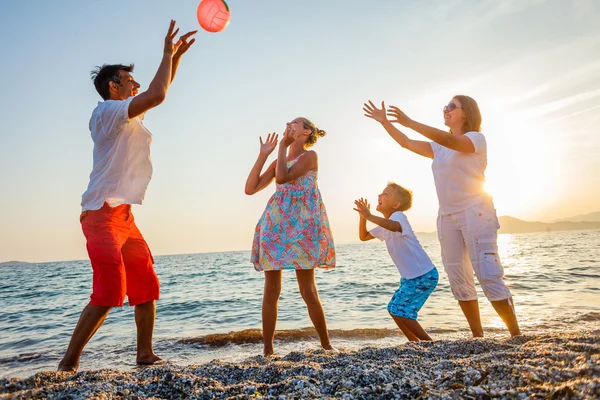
<point x="122" y="165"/>
<point x="404" y="248"/>
<point x="458" y="176"/>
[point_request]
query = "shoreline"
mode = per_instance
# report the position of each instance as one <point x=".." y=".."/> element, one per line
<point x="554" y="365"/>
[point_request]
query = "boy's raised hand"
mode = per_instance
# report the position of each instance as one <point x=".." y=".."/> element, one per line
<point x="269" y="145"/>
<point x="373" y="112"/>
<point x="362" y="207"/>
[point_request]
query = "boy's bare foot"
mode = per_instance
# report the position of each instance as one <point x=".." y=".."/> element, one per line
<point x="148" y="360"/>
<point x="331" y="349"/>
<point x="64" y="367"/>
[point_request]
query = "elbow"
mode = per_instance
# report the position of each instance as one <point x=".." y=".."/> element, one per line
<point x="157" y="97"/>
<point x="363" y="238"/>
<point x="280" y="180"/>
<point x="249" y="191"/>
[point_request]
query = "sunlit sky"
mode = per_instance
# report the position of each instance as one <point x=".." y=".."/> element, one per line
<point x="532" y="66"/>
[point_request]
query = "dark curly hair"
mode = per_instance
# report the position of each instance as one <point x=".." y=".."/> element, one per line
<point x="108" y="73"/>
<point x="315" y="132"/>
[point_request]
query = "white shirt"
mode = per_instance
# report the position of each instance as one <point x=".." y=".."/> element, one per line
<point x="404" y="248"/>
<point x="458" y="176"/>
<point x="122" y="165"/>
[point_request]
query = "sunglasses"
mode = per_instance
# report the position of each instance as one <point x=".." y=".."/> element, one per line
<point x="451" y="106"/>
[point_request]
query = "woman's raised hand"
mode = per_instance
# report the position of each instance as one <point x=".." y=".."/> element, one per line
<point x="269" y="145"/>
<point x="399" y="116"/>
<point x="373" y="112"/>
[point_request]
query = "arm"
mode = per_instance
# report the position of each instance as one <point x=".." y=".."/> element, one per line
<point x="363" y="208"/>
<point x="283" y="174"/>
<point x="158" y="88"/>
<point x="257" y="182"/>
<point x="416" y="146"/>
<point x="363" y="233"/>
<point x="182" y="46"/>
<point x="454" y="142"/>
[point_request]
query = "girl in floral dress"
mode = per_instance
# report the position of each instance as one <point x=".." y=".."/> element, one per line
<point x="293" y="232"/>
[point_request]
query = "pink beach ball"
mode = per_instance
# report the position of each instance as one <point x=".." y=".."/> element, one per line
<point x="213" y="15"/>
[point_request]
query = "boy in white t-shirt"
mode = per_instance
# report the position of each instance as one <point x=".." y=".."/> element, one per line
<point x="419" y="277"/>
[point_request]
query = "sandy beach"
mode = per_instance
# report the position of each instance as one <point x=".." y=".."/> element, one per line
<point x="551" y="365"/>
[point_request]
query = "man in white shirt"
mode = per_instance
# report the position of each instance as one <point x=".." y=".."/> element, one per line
<point x="121" y="260"/>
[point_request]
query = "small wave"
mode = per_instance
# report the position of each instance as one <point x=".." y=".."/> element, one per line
<point x="589" y="317"/>
<point x="22" y="358"/>
<point x="292" y="335"/>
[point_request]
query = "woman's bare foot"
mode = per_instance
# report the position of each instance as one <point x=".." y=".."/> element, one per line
<point x="148" y="360"/>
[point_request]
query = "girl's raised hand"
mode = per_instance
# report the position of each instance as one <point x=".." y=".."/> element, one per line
<point x="362" y="207"/>
<point x="373" y="112"/>
<point x="269" y="145"/>
<point x="399" y="116"/>
<point x="288" y="136"/>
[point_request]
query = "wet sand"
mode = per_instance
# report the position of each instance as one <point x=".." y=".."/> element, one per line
<point x="552" y="365"/>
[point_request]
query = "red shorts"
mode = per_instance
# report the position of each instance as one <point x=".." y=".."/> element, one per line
<point x="121" y="260"/>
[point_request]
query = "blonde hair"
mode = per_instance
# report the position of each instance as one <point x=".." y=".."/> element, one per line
<point x="403" y="195"/>
<point x="315" y="132"/>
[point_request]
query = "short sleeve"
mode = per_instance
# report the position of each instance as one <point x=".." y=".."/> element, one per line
<point x="378" y="232"/>
<point x="435" y="147"/>
<point x="400" y="218"/>
<point x="114" y="115"/>
<point x="478" y="140"/>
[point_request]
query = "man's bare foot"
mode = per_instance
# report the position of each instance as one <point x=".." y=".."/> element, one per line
<point x="330" y="349"/>
<point x="148" y="360"/>
<point x="67" y="367"/>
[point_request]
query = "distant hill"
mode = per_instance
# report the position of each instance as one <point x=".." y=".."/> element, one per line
<point x="591" y="217"/>
<point x="514" y="225"/>
<point x="13" y="263"/>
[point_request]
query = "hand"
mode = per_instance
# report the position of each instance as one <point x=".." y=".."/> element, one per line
<point x="182" y="44"/>
<point x="363" y="208"/>
<point x="268" y="146"/>
<point x="401" y="118"/>
<point x="169" y="47"/>
<point x="288" y="136"/>
<point x="374" y="112"/>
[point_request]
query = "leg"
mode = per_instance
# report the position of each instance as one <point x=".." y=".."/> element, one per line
<point x="481" y="235"/>
<point x="470" y="309"/>
<point x="459" y="268"/>
<point x="310" y="295"/>
<point x="411" y="329"/>
<point x="408" y="299"/>
<point x="143" y="289"/>
<point x="90" y="320"/>
<point x="145" y="315"/>
<point x="506" y="311"/>
<point x="269" y="309"/>
<point x="104" y="236"/>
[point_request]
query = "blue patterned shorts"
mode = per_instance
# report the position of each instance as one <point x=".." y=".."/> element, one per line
<point x="412" y="294"/>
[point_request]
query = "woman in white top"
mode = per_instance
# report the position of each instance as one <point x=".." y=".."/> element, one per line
<point x="467" y="222"/>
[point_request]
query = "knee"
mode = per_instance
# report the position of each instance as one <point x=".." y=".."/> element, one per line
<point x="272" y="292"/>
<point x="310" y="294"/>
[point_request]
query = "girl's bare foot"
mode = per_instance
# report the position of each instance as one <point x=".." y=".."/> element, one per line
<point x="67" y="367"/>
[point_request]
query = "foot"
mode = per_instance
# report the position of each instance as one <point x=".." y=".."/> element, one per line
<point x="330" y="349"/>
<point x="148" y="359"/>
<point x="64" y="366"/>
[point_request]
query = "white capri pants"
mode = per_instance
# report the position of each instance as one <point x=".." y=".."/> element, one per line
<point x="469" y="242"/>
